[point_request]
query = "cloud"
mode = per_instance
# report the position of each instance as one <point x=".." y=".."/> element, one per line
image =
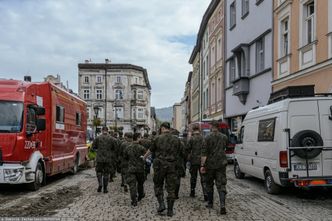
<point x="40" y="37"/>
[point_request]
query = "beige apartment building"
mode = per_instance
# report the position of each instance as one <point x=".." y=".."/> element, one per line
<point x="216" y="74"/>
<point x="195" y="94"/>
<point x="303" y="44"/>
<point x="177" y="116"/>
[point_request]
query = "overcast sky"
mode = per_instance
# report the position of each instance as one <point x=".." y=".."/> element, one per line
<point x="41" y="37"/>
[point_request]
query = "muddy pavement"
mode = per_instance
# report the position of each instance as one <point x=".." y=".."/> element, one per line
<point x="76" y="198"/>
<point x="44" y="204"/>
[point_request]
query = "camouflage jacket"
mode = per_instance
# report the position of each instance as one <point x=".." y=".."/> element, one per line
<point x="122" y="161"/>
<point x="166" y="148"/>
<point x="146" y="143"/>
<point x="194" y="149"/>
<point x="133" y="155"/>
<point x="214" y="149"/>
<point x="106" y="148"/>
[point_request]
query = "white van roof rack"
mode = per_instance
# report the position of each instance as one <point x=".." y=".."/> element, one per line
<point x="292" y="92"/>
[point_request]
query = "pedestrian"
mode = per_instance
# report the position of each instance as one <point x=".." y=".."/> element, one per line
<point x="194" y="150"/>
<point x="135" y="174"/>
<point x="105" y="146"/>
<point x="165" y="150"/>
<point x="213" y="163"/>
<point x="128" y="139"/>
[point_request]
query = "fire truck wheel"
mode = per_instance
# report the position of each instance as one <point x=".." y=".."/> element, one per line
<point x="307" y="138"/>
<point x="76" y="164"/>
<point x="39" y="178"/>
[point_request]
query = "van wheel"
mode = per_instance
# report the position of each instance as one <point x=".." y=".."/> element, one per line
<point x="307" y="138"/>
<point x="74" y="170"/>
<point x="270" y="186"/>
<point x="39" y="178"/>
<point x="237" y="172"/>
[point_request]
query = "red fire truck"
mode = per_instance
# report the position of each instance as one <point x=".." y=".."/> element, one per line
<point x="224" y="128"/>
<point x="42" y="132"/>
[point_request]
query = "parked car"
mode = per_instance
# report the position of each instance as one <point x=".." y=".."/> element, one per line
<point x="288" y="142"/>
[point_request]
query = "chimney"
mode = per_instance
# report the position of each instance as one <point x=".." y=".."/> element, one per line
<point x="27" y="78"/>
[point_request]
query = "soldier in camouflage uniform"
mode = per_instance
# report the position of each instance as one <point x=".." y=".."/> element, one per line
<point x="213" y="163"/>
<point x="194" y="149"/>
<point x="146" y="143"/>
<point x="133" y="154"/>
<point x="105" y="146"/>
<point x="128" y="139"/>
<point x="180" y="164"/>
<point x="166" y="148"/>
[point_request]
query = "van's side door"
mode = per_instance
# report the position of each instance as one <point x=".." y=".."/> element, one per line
<point x="325" y="118"/>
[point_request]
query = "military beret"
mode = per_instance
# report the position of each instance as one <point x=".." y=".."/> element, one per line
<point x="165" y="125"/>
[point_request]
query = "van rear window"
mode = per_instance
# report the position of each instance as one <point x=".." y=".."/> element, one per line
<point x="266" y="130"/>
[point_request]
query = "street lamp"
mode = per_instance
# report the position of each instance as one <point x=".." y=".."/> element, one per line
<point x="96" y="110"/>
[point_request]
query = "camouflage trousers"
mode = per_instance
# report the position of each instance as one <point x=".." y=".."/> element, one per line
<point x="136" y="183"/>
<point x="165" y="172"/>
<point x="194" y="170"/>
<point x="217" y="176"/>
<point x="103" y="168"/>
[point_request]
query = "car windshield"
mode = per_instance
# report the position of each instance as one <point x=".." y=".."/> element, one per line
<point x="11" y="116"/>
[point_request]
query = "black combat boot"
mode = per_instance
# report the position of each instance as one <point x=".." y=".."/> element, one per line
<point x="209" y="200"/>
<point x="133" y="197"/>
<point x="177" y="190"/>
<point x="161" y="202"/>
<point x="192" y="193"/>
<point x="170" y="204"/>
<point x="100" y="182"/>
<point x="222" y="196"/>
<point x="105" y="183"/>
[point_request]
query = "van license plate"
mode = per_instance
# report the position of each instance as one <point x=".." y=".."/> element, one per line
<point x="302" y="166"/>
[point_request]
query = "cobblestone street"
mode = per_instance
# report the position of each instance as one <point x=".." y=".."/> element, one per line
<point x="76" y="198"/>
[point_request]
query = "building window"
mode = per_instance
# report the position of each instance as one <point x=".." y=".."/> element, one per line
<point x="284" y="37"/>
<point x="86" y="94"/>
<point x="88" y="113"/>
<point x="213" y="92"/>
<point x="232" y="71"/>
<point x="219" y="49"/>
<point x="207" y="98"/>
<point x="78" y="119"/>
<point x="60" y="114"/>
<point x="140" y="95"/>
<point x="119" y="112"/>
<point x="86" y="79"/>
<point x="118" y="95"/>
<point x="118" y="79"/>
<point x="232" y="15"/>
<point x="260" y="55"/>
<point x="99" y="79"/>
<point x="99" y="94"/>
<point x="101" y="113"/>
<point x="309" y="22"/>
<point x="219" y="90"/>
<point x="245" y="8"/>
<point x="213" y="55"/>
<point x="140" y="113"/>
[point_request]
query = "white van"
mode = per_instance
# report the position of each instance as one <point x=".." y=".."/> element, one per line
<point x="287" y="142"/>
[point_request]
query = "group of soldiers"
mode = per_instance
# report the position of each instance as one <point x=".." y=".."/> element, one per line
<point x="131" y="156"/>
